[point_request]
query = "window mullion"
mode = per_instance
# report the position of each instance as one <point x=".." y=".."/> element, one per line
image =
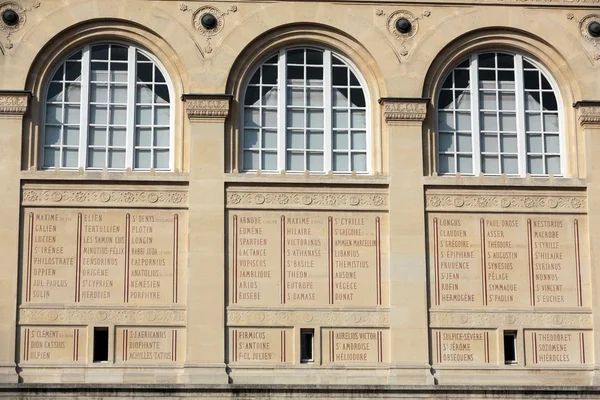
<point x="131" y="93"/>
<point x="520" y="107"/>
<point x="475" y="128"/>
<point x="327" y="113"/>
<point x="282" y="111"/>
<point x="85" y="107"/>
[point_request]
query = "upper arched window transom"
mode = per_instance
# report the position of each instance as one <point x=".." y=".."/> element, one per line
<point x="498" y="113"/>
<point x="305" y="109"/>
<point x="108" y="106"/>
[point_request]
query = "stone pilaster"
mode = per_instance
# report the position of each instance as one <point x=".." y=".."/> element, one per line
<point x="588" y="115"/>
<point x="13" y="105"/>
<point x="205" y="360"/>
<point x="408" y="275"/>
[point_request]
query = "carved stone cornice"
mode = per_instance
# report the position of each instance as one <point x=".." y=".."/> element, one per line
<point x="304" y="198"/>
<point x="588" y="112"/>
<point x="44" y="195"/>
<point x="464" y="319"/>
<point x="82" y="316"/>
<point x="404" y="109"/>
<point x="13" y="102"/>
<point x="503" y="201"/>
<point x="207" y="106"/>
<point x="358" y="318"/>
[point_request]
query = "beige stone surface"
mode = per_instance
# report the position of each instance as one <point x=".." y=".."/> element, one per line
<point x="208" y="274"/>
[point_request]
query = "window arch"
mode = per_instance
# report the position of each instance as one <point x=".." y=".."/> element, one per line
<point x="508" y="123"/>
<point x="108" y="105"/>
<point x="305" y="109"/>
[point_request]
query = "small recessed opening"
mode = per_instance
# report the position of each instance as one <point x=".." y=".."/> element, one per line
<point x="510" y="347"/>
<point x="306" y="345"/>
<point x="100" y="344"/>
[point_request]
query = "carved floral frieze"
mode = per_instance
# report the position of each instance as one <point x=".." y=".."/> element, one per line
<point x="440" y="319"/>
<point x="206" y="107"/>
<point x="398" y="109"/>
<point x="294" y="317"/>
<point x="13" y="103"/>
<point x="106" y="197"/>
<point x="531" y="202"/>
<point x="588" y="112"/>
<point x="306" y="199"/>
<point x="82" y="316"/>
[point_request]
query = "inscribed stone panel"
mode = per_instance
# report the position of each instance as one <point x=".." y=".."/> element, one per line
<point x="464" y="346"/>
<point x="52" y="344"/>
<point x="558" y="347"/>
<point x="355" y="346"/>
<point x="261" y="345"/>
<point x="149" y="345"/>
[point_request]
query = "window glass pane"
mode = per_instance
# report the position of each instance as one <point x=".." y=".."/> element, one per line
<point x="359" y="162"/>
<point x="118" y="72"/>
<point x="269" y="160"/>
<point x="295" y="118"/>
<point x="98" y="114"/>
<point x="269" y="139"/>
<point x="489" y="121"/>
<point x="487" y="60"/>
<point x="340" y="162"/>
<point x="98" y="93"/>
<point x="340" y="140"/>
<point x="295" y="75"/>
<point x="52" y="135"/>
<point x="359" y="119"/>
<point x="162" y="137"/>
<point x="251" y="160"/>
<point x="461" y="79"/>
<point x="508" y="122"/>
<point x="314" y="76"/>
<point x="251" y="117"/>
<point x="99" y="71"/>
<point x="446" y="121"/>
<point x="100" y="52"/>
<point x="158" y="76"/>
<point x="553" y="165"/>
<point x="117" y="136"/>
<point x="96" y="158"/>
<point x="357" y="96"/>
<point x="446" y="100"/>
<point x="118" y="94"/>
<point x="506" y="80"/>
<point x="118" y="53"/>
<point x="510" y="165"/>
<point x="70" y="157"/>
<point x="314" y="57"/>
<point x="55" y="92"/>
<point x="340" y="119"/>
<point x="73" y="71"/>
<point x="315" y="97"/>
<point x="73" y="93"/>
<point x="487" y="79"/>
<point x="269" y="96"/>
<point x="144" y="72"/>
<point x="339" y="76"/>
<point x="509" y="143"/>
<point x="161" y="94"/>
<point x="353" y="80"/>
<point x="315" y="140"/>
<point x="72" y="115"/>
<point x="252" y="96"/>
<point x="143" y="137"/>
<point x="534" y="143"/>
<point x="161" y="115"/>
<point x="118" y="115"/>
<point x="532" y="101"/>
<point x="552" y="143"/>
<point x="59" y="74"/>
<point x="340" y="97"/>
<point x="143" y="159"/>
<point x="295" y="56"/>
<point x="465" y="164"/>
<point x="71" y="135"/>
<point x="446" y="164"/>
<point x="269" y="75"/>
<point x="463" y="121"/>
<point x="54" y="114"/>
<point x="490" y="165"/>
<point x="144" y="115"/>
<point x="551" y="122"/>
<point x="489" y="143"/>
<point x="97" y="136"/>
<point x="116" y="159"/>
<point x="535" y="165"/>
<point x="463" y="100"/>
<point x="533" y="122"/>
<point x="446" y="142"/>
<point x="549" y="101"/>
<point x="51" y="157"/>
<point x="315" y="162"/>
<point x="507" y="101"/>
<point x="545" y="83"/>
<point x="315" y="118"/>
<point x="487" y="100"/>
<point x="161" y="159"/>
<point x="359" y="140"/>
<point x="295" y="96"/>
<point x="295" y="161"/>
<point x="531" y="79"/>
<point x="448" y="82"/>
<point x="295" y="139"/>
<point x="465" y="142"/>
<point x="505" y="60"/>
<point x="269" y="118"/>
<point x="251" y="139"/>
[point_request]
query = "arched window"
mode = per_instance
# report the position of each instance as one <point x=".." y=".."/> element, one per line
<point x="305" y="109"/>
<point x="108" y="106"/>
<point x="499" y="113"/>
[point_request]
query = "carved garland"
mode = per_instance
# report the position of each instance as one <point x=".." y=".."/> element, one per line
<point x="288" y="199"/>
<point x="494" y="320"/>
<point x="331" y="318"/>
<point x="32" y="316"/>
<point x="501" y="202"/>
<point x="104" y="198"/>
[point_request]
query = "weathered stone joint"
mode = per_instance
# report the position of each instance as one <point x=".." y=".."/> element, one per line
<point x="207" y="106"/>
<point x="404" y="109"/>
<point x="13" y="102"/>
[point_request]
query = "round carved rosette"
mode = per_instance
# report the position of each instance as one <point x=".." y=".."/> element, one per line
<point x="10" y="6"/>
<point x="584" y="25"/>
<point x="201" y="12"/>
<point x="395" y="16"/>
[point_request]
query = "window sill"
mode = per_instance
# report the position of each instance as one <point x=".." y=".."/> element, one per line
<point x="105" y="175"/>
<point x="504" y="180"/>
<point x="341" y="179"/>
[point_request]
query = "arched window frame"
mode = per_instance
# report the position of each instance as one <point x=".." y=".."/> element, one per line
<point x="84" y="124"/>
<point x="282" y="116"/>
<point x="475" y="109"/>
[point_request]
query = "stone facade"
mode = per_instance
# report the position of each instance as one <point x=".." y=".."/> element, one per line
<point x="206" y="271"/>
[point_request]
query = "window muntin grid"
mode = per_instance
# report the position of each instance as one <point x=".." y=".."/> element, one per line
<point x="502" y="118"/>
<point x="318" y="124"/>
<point x="115" y="95"/>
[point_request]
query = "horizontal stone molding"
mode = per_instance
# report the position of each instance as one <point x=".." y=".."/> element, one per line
<point x="83" y="316"/>
<point x="358" y="318"/>
<point x="502" y="201"/>
<point x="307" y="198"/>
<point x="401" y="109"/>
<point x="472" y="319"/>
<point x="588" y="112"/>
<point x="13" y="103"/>
<point x="92" y="196"/>
<point x="206" y="106"/>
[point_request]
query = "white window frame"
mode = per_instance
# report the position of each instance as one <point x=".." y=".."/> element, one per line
<point x="131" y="109"/>
<point x="520" y="111"/>
<point x="327" y="107"/>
